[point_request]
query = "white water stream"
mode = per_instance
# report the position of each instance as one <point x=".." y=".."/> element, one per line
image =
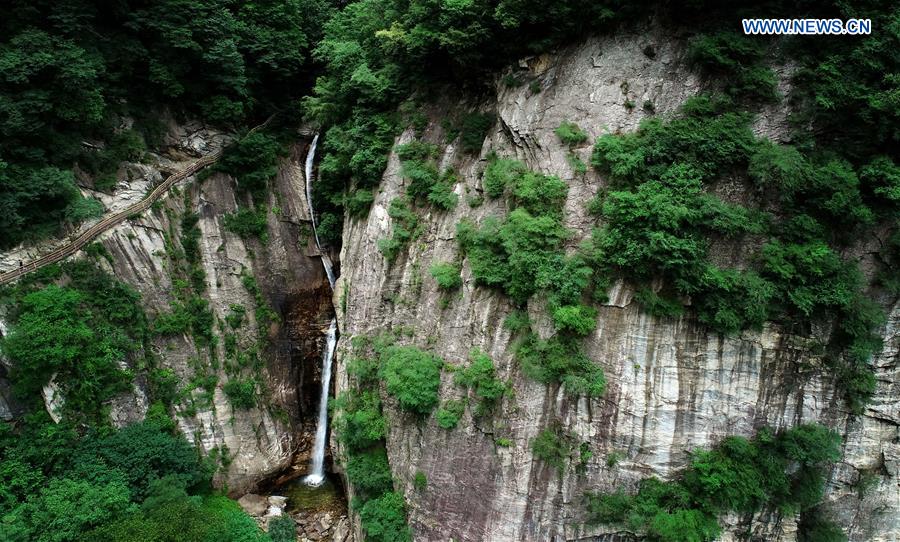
<point x="310" y="159"/>
<point x="317" y="465"/>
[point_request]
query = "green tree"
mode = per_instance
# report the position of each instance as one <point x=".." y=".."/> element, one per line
<point x="413" y="377"/>
<point x="283" y="529"/>
<point x="56" y="334"/>
<point x="65" y="508"/>
<point x="384" y="519"/>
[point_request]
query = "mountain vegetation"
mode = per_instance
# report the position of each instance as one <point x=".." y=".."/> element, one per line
<point x="86" y="85"/>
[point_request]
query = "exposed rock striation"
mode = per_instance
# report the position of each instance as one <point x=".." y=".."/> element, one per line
<point x="672" y="384"/>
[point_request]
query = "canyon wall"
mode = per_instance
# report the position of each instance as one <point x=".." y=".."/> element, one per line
<point x="251" y="443"/>
<point x="672" y="385"/>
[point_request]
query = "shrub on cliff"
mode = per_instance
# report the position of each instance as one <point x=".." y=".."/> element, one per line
<point x="413" y="377"/>
<point x="406" y="228"/>
<point x="553" y="446"/>
<point x="474" y="129"/>
<point x="241" y="393"/>
<point x="480" y="377"/>
<point x="561" y="360"/>
<point x="358" y="421"/>
<point x="449" y="414"/>
<point x="500" y="173"/>
<point x="575" y="319"/>
<point x="81" y="332"/>
<point x="253" y="161"/>
<point x="784" y="471"/>
<point x="446" y="275"/>
<point x="571" y="134"/>
<point x="384" y="519"/>
<point x="248" y="223"/>
<point x="370" y="473"/>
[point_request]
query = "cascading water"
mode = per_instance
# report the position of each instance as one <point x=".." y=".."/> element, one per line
<point x="310" y="158"/>
<point x="317" y="465"/>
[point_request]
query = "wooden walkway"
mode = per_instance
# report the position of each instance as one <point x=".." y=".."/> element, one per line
<point x="109" y="221"/>
<point x="115" y="219"/>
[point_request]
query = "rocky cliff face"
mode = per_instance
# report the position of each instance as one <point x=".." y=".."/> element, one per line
<point x="672" y="385"/>
<point x="143" y="252"/>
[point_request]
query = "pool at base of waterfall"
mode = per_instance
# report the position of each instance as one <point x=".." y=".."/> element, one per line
<point x="303" y="497"/>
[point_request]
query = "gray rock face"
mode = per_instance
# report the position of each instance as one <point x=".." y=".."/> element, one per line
<point x="262" y="440"/>
<point x="672" y="385"/>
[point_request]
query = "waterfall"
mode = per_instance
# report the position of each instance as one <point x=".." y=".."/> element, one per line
<point x="310" y="158"/>
<point x="317" y="468"/>
<point x="317" y="465"/>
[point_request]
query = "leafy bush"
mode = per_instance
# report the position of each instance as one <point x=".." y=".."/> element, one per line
<point x="481" y="378"/>
<point x="658" y="305"/>
<point x="661" y="228"/>
<point x="191" y="316"/>
<point x="241" y="393"/>
<point x="448" y="415"/>
<point x="142" y="453"/>
<point x="500" y="173"/>
<point x="657" y="225"/>
<point x="248" y="223"/>
<point x="553" y="446"/>
<point x="517" y="321"/>
<point x="359" y="423"/>
<point x="571" y="134"/>
<point x="422" y="176"/>
<point x="442" y="195"/>
<point x="734" y="300"/>
<point x="413" y="377"/>
<point x="80" y="332"/>
<point x="405" y="229"/>
<point x="263" y="312"/>
<point x="253" y="161"/>
<point x="384" y="519"/>
<point x="425" y="182"/>
<point x="235" y="316"/>
<point x="102" y="484"/>
<point x="576" y="319"/>
<point x="71" y="507"/>
<point x="446" y="275"/>
<point x="283" y="529"/>
<point x="359" y="202"/>
<point x="540" y="194"/>
<point x="416" y="151"/>
<point x="517" y="255"/>
<point x="55" y="333"/>
<point x="561" y="360"/>
<point x="738" y="60"/>
<point x="370" y="473"/>
<point x="783" y="470"/>
<point x="329" y="228"/>
<point x="707" y="137"/>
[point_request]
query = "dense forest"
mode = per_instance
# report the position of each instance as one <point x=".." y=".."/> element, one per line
<point x="84" y="85"/>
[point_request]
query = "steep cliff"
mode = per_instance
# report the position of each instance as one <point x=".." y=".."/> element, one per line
<point x="281" y="276"/>
<point x="672" y="385"/>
